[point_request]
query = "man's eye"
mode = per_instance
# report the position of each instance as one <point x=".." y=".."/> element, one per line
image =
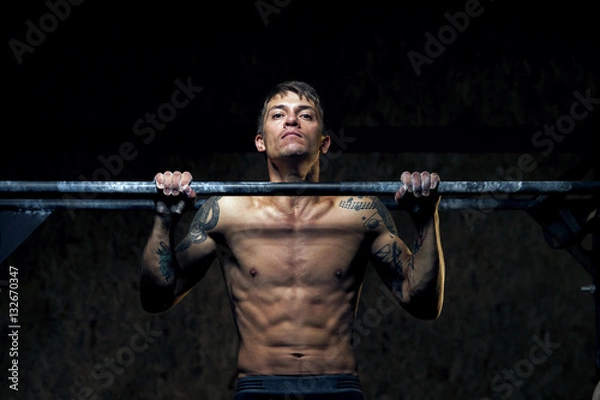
<point x="277" y="115"/>
<point x="307" y="116"/>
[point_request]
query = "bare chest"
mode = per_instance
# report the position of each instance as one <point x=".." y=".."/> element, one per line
<point x="295" y="251"/>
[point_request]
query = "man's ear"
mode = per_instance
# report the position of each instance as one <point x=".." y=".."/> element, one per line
<point x="325" y="143"/>
<point x="260" y="143"/>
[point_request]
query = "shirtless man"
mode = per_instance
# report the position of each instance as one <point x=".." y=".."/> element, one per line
<point x="294" y="265"/>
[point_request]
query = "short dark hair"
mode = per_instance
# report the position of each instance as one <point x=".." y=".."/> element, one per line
<point x="303" y="90"/>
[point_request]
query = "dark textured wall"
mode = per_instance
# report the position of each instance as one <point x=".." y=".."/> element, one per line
<point x="514" y="69"/>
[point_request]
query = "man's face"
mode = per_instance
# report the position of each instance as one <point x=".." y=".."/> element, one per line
<point x="291" y="128"/>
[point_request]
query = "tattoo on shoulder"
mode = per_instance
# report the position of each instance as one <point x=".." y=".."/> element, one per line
<point x="381" y="215"/>
<point x="357" y="204"/>
<point x="205" y="219"/>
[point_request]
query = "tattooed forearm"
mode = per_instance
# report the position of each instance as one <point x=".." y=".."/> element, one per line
<point x="165" y="260"/>
<point x="390" y="255"/>
<point x="419" y="242"/>
<point x="205" y="219"/>
<point x="417" y="248"/>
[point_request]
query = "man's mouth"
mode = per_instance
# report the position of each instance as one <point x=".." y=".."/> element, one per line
<point x="290" y="133"/>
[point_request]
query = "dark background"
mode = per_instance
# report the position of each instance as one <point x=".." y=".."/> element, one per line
<point x="74" y="99"/>
<point x="107" y="64"/>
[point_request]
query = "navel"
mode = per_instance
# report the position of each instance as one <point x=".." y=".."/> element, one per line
<point x="253" y="272"/>
<point x="338" y="273"/>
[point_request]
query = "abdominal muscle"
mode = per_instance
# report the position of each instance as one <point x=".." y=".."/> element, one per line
<point x="294" y="318"/>
<point x="299" y="331"/>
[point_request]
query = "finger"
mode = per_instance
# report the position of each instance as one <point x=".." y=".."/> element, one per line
<point x="176" y="187"/>
<point x="186" y="178"/>
<point x="435" y="180"/>
<point x="159" y="180"/>
<point x="186" y="181"/>
<point x="425" y="183"/>
<point x="406" y="179"/>
<point x="416" y="184"/>
<point x="168" y="182"/>
<point x="190" y="193"/>
<point x="400" y="193"/>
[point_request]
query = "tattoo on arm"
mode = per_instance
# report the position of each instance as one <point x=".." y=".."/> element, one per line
<point x="165" y="260"/>
<point x="385" y="214"/>
<point x="381" y="214"/>
<point x="390" y="254"/>
<point x="205" y="219"/>
<point x="417" y="247"/>
<point x="352" y="204"/>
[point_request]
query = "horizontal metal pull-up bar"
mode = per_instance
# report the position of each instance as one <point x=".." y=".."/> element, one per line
<point x="250" y="188"/>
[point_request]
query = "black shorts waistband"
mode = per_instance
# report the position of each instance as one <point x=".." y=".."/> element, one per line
<point x="299" y="384"/>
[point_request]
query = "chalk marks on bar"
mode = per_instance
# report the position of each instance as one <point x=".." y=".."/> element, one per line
<point x="251" y="188"/>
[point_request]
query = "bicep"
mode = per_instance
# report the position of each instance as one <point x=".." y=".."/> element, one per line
<point x="195" y="249"/>
<point x="391" y="258"/>
<point x="197" y="246"/>
<point x="386" y="248"/>
<point x="389" y="254"/>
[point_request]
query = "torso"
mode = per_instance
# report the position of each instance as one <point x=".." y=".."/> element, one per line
<point x="293" y="277"/>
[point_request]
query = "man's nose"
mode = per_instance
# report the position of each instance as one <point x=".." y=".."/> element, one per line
<point x="291" y="120"/>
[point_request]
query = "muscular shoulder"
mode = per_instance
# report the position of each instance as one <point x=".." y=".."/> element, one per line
<point x="220" y="211"/>
<point x="208" y="215"/>
<point x="369" y="210"/>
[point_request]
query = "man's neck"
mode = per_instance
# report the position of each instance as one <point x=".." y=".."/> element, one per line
<point x="293" y="173"/>
<point x="297" y="172"/>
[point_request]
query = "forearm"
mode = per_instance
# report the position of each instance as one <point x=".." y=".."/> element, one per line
<point x="158" y="269"/>
<point x="425" y="270"/>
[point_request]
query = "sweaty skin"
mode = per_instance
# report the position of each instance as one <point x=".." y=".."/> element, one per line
<point x="294" y="266"/>
<point x="293" y="274"/>
<point x="293" y="277"/>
